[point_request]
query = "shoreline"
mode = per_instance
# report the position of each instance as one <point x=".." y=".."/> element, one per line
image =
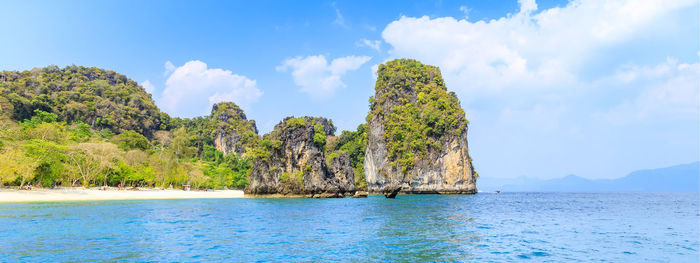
<point x="8" y="195"/>
<point x="14" y="195"/>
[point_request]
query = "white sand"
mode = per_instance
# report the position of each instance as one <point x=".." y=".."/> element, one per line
<point x="80" y="194"/>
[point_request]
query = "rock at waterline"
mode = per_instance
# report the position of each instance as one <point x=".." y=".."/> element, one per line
<point x="290" y="161"/>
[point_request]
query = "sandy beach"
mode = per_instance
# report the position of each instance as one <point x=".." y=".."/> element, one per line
<point x="81" y="194"/>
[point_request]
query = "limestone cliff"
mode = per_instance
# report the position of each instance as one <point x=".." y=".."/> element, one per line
<point x="417" y="133"/>
<point x="291" y="161"/>
<point x="232" y="131"/>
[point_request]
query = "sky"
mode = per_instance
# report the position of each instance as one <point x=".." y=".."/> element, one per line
<point x="551" y="88"/>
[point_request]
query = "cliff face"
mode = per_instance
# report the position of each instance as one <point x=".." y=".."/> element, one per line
<point x="291" y="161"/>
<point x="417" y="134"/>
<point x="232" y="132"/>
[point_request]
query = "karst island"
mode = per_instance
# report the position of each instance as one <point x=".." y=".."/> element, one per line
<point x="89" y="127"/>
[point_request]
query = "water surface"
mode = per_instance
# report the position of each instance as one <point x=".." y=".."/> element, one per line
<point x="515" y="227"/>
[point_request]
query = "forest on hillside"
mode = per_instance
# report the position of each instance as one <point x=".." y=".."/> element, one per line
<point x="79" y="126"/>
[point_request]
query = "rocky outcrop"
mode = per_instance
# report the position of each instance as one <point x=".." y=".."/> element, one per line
<point x="417" y="134"/>
<point x="232" y="132"/>
<point x="290" y="161"/>
<point x="360" y="194"/>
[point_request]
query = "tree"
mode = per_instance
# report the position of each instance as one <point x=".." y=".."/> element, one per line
<point x="132" y="140"/>
<point x="41" y="116"/>
<point x="6" y="108"/>
<point x="136" y="161"/>
<point x="354" y="144"/>
<point x="93" y="159"/>
<point x="165" y="166"/>
<point x="15" y="164"/>
<point x="196" y="176"/>
<point x="50" y="158"/>
<point x="179" y="144"/>
<point x="47" y="131"/>
<point x="162" y="139"/>
<point x="80" y="132"/>
<point x="10" y="131"/>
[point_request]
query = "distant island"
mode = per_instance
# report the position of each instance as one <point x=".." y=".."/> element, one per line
<point x="85" y="126"/>
<point x="684" y="177"/>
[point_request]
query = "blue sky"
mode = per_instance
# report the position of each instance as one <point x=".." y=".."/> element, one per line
<point x="593" y="88"/>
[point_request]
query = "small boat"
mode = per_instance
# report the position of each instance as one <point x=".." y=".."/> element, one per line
<point x="498" y="191"/>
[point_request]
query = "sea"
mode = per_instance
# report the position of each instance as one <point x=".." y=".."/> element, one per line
<point x="485" y="227"/>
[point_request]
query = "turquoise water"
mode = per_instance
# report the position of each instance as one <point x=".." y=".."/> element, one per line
<point x="506" y="227"/>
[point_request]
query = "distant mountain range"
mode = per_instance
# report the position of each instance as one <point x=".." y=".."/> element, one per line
<point x="684" y="177"/>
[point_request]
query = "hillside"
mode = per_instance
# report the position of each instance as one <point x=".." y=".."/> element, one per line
<point x="93" y="127"/>
<point x="100" y="98"/>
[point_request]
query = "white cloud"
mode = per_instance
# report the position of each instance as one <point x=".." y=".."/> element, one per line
<point x="374" y="44"/>
<point x="192" y="88"/>
<point x="148" y="86"/>
<point x="527" y="6"/>
<point x="537" y="50"/>
<point x="669" y="91"/>
<point x="339" y="20"/>
<point x="317" y="77"/>
<point x="169" y="68"/>
<point x="585" y="83"/>
<point x="465" y="10"/>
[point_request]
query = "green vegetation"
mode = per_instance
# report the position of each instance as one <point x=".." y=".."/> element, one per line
<point x="319" y="136"/>
<point x="416" y="110"/>
<point x="300" y="178"/>
<point x="272" y="141"/>
<point x="231" y="171"/>
<point x="229" y="118"/>
<point x="101" y="98"/>
<point x="306" y="132"/>
<point x="295" y="122"/>
<point x="132" y="140"/>
<point x="285" y="177"/>
<point x="354" y="144"/>
<point x="92" y="127"/>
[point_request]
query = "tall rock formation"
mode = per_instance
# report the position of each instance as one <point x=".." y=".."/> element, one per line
<point x="417" y="134"/>
<point x="232" y="131"/>
<point x="291" y="161"/>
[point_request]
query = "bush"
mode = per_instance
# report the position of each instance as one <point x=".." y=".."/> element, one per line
<point x="319" y="136"/>
<point x="130" y="140"/>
